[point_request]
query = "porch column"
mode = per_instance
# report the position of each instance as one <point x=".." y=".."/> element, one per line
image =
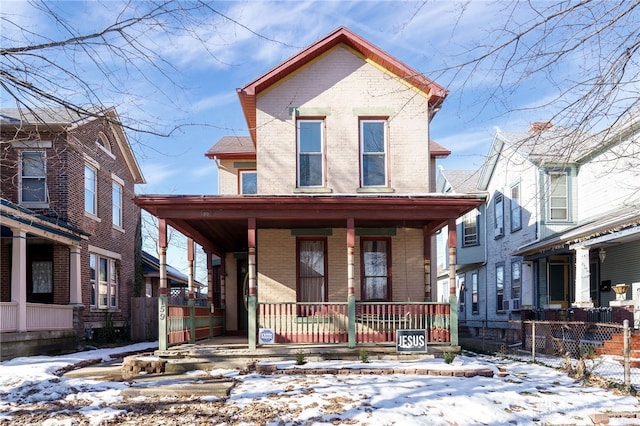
<point x="75" y="287"/>
<point x="351" y="290"/>
<point x="252" y="297"/>
<point x="19" y="276"/>
<point x="427" y="263"/>
<point x="210" y="290"/>
<point x="191" y="301"/>
<point x="453" y="300"/>
<point x="582" y="279"/>
<point x="163" y="302"/>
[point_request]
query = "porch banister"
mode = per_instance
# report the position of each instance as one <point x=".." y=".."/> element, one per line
<point x="163" y="302"/>
<point x="19" y="276"/>
<point x="453" y="301"/>
<point x="351" y="292"/>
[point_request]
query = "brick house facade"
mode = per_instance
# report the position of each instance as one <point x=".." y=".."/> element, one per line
<point x="67" y="184"/>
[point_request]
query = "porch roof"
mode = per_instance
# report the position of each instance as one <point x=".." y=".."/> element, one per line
<point x="219" y="223"/>
<point x="611" y="228"/>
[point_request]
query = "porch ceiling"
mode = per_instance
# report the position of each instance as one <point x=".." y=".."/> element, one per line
<point x="220" y="223"/>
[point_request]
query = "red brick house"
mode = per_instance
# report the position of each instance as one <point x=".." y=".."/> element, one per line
<point x="67" y="254"/>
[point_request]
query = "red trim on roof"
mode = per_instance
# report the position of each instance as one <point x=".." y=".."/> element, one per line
<point x="247" y="94"/>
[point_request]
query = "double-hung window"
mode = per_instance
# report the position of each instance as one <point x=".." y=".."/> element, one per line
<point x="33" y="177"/>
<point x="470" y="229"/>
<point x="116" y="211"/>
<point x="248" y="182"/>
<point x="461" y="298"/>
<point x="558" y="200"/>
<point x="373" y="153"/>
<point x="103" y="274"/>
<point x="498" y="216"/>
<point x="90" y="189"/>
<point x="500" y="287"/>
<point x="312" y="270"/>
<point x="516" y="270"/>
<point x="516" y="211"/>
<point x="375" y="267"/>
<point x="475" y="302"/>
<point x="310" y="153"/>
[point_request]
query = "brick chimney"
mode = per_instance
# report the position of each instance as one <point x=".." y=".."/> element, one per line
<point x="539" y="126"/>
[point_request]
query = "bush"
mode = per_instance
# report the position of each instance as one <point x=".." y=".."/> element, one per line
<point x="449" y="357"/>
<point x="364" y="355"/>
<point x="300" y="357"/>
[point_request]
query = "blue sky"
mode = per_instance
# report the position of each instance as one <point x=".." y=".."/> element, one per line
<point x="200" y="91"/>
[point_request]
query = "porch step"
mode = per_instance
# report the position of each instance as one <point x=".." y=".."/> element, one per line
<point x="615" y="346"/>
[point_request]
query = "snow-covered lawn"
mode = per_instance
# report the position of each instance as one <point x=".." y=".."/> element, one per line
<point x="31" y="391"/>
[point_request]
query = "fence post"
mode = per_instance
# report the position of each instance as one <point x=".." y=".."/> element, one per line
<point x="626" y="350"/>
<point x="533" y="341"/>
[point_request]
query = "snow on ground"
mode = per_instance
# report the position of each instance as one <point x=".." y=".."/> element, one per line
<point x="528" y="394"/>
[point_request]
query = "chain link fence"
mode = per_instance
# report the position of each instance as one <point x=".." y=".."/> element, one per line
<point x="604" y="350"/>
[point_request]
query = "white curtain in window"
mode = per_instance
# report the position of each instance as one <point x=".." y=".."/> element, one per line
<point x="311" y="271"/>
<point x="375" y="269"/>
<point x="42" y="275"/>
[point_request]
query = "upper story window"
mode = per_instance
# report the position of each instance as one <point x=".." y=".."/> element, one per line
<point x="116" y="196"/>
<point x="33" y="178"/>
<point x="516" y="210"/>
<point x="498" y="216"/>
<point x="375" y="267"/>
<point x="90" y="189"/>
<point x="470" y="229"/>
<point x="248" y="182"/>
<point x="558" y="196"/>
<point x="310" y="153"/>
<point x="373" y="153"/>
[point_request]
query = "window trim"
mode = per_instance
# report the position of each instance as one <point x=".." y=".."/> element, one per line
<point x="389" y="268"/>
<point x="385" y="125"/>
<point x="321" y="153"/>
<point x="243" y="172"/>
<point x="498" y="206"/>
<point x="550" y="175"/>
<point x="34" y="204"/>
<point x="89" y="166"/>
<point x="515" y="207"/>
<point x="112" y="268"/>
<point x="465" y="220"/>
<point x="325" y="244"/>
<point x="500" y="294"/>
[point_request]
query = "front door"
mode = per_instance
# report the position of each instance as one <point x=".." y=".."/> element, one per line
<point x="559" y="279"/>
<point x="243" y="293"/>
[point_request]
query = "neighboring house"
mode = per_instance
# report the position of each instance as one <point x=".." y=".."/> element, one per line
<point x="68" y="228"/>
<point x="177" y="282"/>
<point x="562" y="226"/>
<point x="327" y="210"/>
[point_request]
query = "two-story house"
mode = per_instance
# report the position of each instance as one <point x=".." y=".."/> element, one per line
<point x="68" y="228"/>
<point x="560" y="229"/>
<point x="327" y="210"/>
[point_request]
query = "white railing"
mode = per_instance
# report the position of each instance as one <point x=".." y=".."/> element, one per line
<point x="8" y="316"/>
<point x="49" y="317"/>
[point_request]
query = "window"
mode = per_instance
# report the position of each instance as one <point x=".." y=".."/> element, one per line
<point x="462" y="291"/>
<point x="116" y="195"/>
<point x="516" y="269"/>
<point x="90" y="190"/>
<point x="104" y="281"/>
<point x="375" y="268"/>
<point x="558" y="196"/>
<point x="312" y="272"/>
<point x="516" y="211"/>
<point x="373" y="158"/>
<point x="498" y="216"/>
<point x="475" y="305"/>
<point x="499" y="287"/>
<point x="470" y="229"/>
<point x="248" y="182"/>
<point x="310" y="153"/>
<point x="33" y="177"/>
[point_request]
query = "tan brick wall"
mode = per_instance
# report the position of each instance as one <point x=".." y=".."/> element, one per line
<point x="227" y="178"/>
<point x="344" y="86"/>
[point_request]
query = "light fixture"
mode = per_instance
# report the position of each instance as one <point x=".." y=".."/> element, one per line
<point x="602" y="255"/>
